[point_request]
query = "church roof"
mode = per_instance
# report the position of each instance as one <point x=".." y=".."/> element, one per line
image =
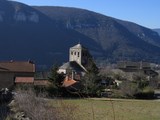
<point x="72" y="65"/>
<point x="78" y="46"/>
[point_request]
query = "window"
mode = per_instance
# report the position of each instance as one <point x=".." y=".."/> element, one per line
<point x="78" y="54"/>
<point x="74" y="53"/>
<point x="71" y="52"/>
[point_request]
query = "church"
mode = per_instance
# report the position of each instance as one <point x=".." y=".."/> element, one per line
<point x="75" y="68"/>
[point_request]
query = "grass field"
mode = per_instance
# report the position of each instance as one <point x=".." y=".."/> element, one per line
<point x="106" y="109"/>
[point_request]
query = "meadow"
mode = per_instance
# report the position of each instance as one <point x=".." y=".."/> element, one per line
<point x="108" y="109"/>
<point x="42" y="108"/>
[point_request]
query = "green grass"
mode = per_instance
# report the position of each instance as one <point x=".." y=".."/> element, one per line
<point x="105" y="109"/>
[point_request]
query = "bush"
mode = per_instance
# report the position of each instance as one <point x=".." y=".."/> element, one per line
<point x="5" y="96"/>
<point x="146" y="93"/>
<point x="38" y="108"/>
<point x="129" y="89"/>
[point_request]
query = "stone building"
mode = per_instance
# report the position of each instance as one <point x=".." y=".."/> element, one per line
<point x="79" y="58"/>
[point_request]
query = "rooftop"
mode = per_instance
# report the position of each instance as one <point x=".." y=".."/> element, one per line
<point x="77" y="46"/>
<point x="24" y="80"/>
<point x="72" y="65"/>
<point x="68" y="82"/>
<point x="17" y="66"/>
<point x="134" y="65"/>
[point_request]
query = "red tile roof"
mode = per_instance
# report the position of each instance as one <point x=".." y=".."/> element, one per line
<point x="24" y="80"/>
<point x="15" y="66"/>
<point x="68" y="82"/>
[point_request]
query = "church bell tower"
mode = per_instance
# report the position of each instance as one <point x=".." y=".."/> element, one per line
<point x="79" y="54"/>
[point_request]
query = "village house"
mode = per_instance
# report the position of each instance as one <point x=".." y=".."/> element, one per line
<point x="132" y="68"/>
<point x="15" y="72"/>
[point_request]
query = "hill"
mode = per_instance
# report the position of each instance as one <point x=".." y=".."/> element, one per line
<point x="120" y="40"/>
<point x="157" y="30"/>
<point x="44" y="35"/>
<point x="29" y="34"/>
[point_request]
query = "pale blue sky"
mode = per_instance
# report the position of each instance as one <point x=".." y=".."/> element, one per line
<point x="143" y="12"/>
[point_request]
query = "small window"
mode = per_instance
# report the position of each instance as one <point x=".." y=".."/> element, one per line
<point x="78" y="54"/>
<point x="71" y="53"/>
<point x="74" y="53"/>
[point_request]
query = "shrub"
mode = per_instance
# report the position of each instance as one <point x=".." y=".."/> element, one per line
<point x="128" y="89"/>
<point x="146" y="93"/>
<point x="38" y="108"/>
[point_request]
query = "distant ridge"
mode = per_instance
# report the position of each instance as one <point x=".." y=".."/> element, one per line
<point x="157" y="30"/>
<point x="120" y="40"/>
<point x="45" y="34"/>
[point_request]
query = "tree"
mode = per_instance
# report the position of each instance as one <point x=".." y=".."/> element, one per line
<point x="129" y="89"/>
<point x="141" y="80"/>
<point x="139" y="87"/>
<point x="91" y="67"/>
<point x="91" y="80"/>
<point x="55" y="80"/>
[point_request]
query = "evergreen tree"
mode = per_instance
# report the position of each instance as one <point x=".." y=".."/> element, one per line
<point x="91" y="80"/>
<point x="55" y="80"/>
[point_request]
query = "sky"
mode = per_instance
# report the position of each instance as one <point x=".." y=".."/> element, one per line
<point x="142" y="12"/>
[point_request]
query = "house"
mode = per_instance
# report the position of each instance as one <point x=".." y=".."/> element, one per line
<point x="129" y="66"/>
<point x="16" y="72"/>
<point x="137" y="67"/>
